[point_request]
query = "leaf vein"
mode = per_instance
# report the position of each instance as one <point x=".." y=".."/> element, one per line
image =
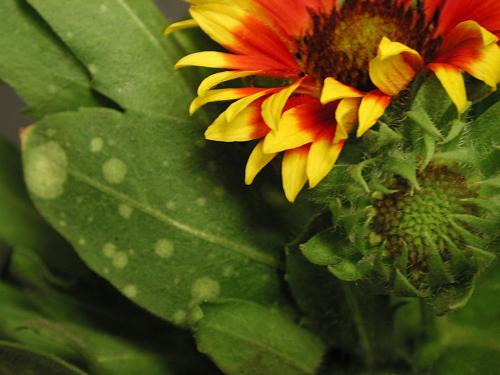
<point x="247" y="251"/>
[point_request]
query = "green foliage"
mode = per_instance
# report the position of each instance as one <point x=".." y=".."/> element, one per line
<point x="413" y="219"/>
<point x="245" y="338"/>
<point x="154" y="216"/>
<point x="21" y="225"/>
<point x="35" y="62"/>
<point x="16" y="359"/>
<point x="133" y="216"/>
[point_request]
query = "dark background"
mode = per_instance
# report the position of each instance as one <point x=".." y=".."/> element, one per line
<point x="11" y="118"/>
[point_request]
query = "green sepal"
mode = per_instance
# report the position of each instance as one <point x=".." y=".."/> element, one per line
<point x="422" y="119"/>
<point x="403" y="287"/>
<point x="320" y="249"/>
<point x="405" y="168"/>
<point x="456" y="130"/>
<point x="374" y="141"/>
<point x="483" y="259"/>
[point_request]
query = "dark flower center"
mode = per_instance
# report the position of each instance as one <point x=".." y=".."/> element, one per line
<point x="341" y="44"/>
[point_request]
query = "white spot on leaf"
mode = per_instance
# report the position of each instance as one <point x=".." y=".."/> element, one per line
<point x="46" y="170"/>
<point x="205" y="289"/>
<point x="125" y="211"/>
<point x="130" y="291"/>
<point x="120" y="260"/>
<point x="179" y="317"/>
<point x="96" y="145"/>
<point x="93" y="69"/>
<point x="109" y="250"/>
<point x="202" y="202"/>
<point x="114" y="171"/>
<point x="164" y="248"/>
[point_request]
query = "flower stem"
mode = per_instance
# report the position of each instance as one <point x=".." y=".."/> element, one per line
<point x="359" y="322"/>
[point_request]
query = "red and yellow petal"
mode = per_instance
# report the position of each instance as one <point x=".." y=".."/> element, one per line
<point x="395" y="66"/>
<point x="216" y="79"/>
<point x="334" y="90"/>
<point x="181" y="25"/>
<point x="346" y="116"/>
<point x="484" y="12"/>
<point x="222" y="95"/>
<point x="371" y="109"/>
<point x="241" y="32"/>
<point x="237" y="107"/>
<point x="453" y="82"/>
<point x="223" y="60"/>
<point x="256" y="162"/>
<point x="299" y="126"/>
<point x="294" y="171"/>
<point x="323" y="155"/>
<point x="246" y="126"/>
<point x="472" y="48"/>
<point x="272" y="108"/>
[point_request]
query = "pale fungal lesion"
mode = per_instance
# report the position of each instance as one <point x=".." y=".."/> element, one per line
<point x="205" y="289"/>
<point x="96" y="145"/>
<point x="125" y="211"/>
<point x="114" y="171"/>
<point x="46" y="170"/>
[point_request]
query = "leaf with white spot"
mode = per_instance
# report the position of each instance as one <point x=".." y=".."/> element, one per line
<point x="140" y="223"/>
<point x="21" y="225"/>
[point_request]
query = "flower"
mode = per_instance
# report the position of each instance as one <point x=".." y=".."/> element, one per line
<point x="317" y="68"/>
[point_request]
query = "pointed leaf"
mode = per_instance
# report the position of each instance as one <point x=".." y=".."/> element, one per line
<point x="19" y="360"/>
<point x="37" y="65"/>
<point x="245" y="338"/>
<point x="150" y="210"/>
<point x="122" y="45"/>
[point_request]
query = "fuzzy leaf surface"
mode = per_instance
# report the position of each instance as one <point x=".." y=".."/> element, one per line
<point x="20" y="224"/>
<point x="469" y="343"/>
<point x="38" y="65"/>
<point x="486" y="140"/>
<point x="122" y="45"/>
<point x="246" y="338"/>
<point x="151" y="211"/>
<point x="18" y="360"/>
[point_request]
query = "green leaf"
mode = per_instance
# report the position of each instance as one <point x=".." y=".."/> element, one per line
<point x="321" y="299"/>
<point x="469" y="339"/>
<point x="486" y="140"/>
<point x="435" y="102"/>
<point x="84" y="328"/>
<point x="19" y="360"/>
<point x="35" y="62"/>
<point x="20" y="224"/>
<point x="245" y="338"/>
<point x="468" y="361"/>
<point x="151" y="211"/>
<point x="122" y="45"/>
<point x="320" y="249"/>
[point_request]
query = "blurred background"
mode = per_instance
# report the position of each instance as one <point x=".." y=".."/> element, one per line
<point x="11" y="118"/>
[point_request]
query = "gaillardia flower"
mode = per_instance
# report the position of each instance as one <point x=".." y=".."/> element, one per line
<point x="315" y="69"/>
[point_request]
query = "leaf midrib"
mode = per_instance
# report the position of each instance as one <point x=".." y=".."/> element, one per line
<point x="247" y="251"/>
<point x="287" y="359"/>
